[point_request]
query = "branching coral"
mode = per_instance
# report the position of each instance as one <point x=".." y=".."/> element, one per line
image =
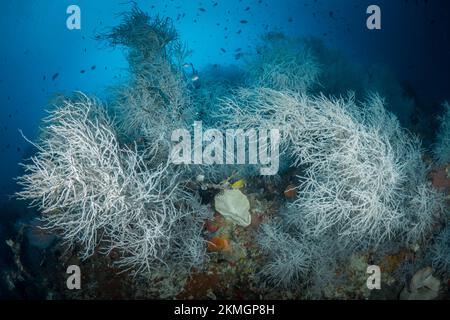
<point x="167" y="237"/>
<point x="283" y="64"/>
<point x="363" y="181"/>
<point x="296" y="258"/>
<point x="152" y="108"/>
<point x="148" y="36"/>
<point x="365" y="178"/>
<point x="218" y="82"/>
<point x="290" y="257"/>
<point x="157" y="100"/>
<point x="441" y="148"/>
<point x="322" y="69"/>
<point x="102" y="195"/>
<point x="440" y="255"/>
<point x="77" y="166"/>
<point x="262" y="108"/>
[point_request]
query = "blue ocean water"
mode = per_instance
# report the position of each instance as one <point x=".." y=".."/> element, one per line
<point x="41" y="57"/>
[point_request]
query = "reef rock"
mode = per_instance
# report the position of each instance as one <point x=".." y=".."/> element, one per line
<point x="423" y="286"/>
<point x="234" y="206"/>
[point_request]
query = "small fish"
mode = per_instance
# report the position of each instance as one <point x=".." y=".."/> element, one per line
<point x="195" y="77"/>
<point x="215" y="4"/>
<point x="248" y="8"/>
<point x="186" y="65"/>
<point x="202" y="9"/>
<point x="93" y="67"/>
<point x="238" y="184"/>
<point x="82" y="71"/>
<point x="243" y="21"/>
<point x="55" y="76"/>
<point x="238" y="55"/>
<point x="223" y="50"/>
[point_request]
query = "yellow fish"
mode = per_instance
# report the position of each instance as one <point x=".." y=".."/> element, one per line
<point x="238" y="184"/>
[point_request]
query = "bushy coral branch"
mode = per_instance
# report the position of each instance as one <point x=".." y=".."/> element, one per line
<point x="363" y="179"/>
<point x="441" y="148"/>
<point x="283" y="64"/>
<point x="101" y="195"/>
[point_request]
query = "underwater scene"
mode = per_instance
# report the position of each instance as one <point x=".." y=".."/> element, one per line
<point x="225" y="150"/>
